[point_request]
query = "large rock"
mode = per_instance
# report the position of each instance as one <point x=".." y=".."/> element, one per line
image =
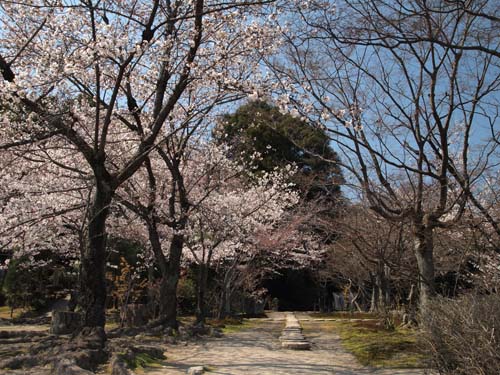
<point x="68" y="367"/>
<point x="64" y="322"/>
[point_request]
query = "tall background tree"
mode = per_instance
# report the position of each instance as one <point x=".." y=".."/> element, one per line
<point x="408" y="93"/>
<point x="280" y="139"/>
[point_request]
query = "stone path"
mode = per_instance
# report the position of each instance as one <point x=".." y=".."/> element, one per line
<point x="256" y="350"/>
<point x="291" y="336"/>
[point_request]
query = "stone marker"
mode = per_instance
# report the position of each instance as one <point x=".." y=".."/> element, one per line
<point x="64" y="322"/>
<point x="197" y="370"/>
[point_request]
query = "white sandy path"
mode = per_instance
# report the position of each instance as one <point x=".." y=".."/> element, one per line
<point x="257" y="351"/>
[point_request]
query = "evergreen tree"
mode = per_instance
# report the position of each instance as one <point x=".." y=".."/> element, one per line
<point x="282" y="139"/>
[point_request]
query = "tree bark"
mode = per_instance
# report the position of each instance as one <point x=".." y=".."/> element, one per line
<point x="201" y="311"/>
<point x="93" y="262"/>
<point x="168" y="286"/>
<point x="374" y="300"/>
<point x="424" y="248"/>
<point x="225" y="300"/>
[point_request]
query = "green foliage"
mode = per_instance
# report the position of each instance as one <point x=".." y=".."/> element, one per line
<point x="29" y="286"/>
<point x="282" y="139"/>
<point x="124" y="248"/>
<point x="186" y="294"/>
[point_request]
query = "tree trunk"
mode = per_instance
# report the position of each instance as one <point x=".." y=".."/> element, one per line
<point x="228" y="292"/>
<point x="168" y="286"/>
<point x="424" y="247"/>
<point x="201" y="312"/>
<point x="386" y="287"/>
<point x="161" y="263"/>
<point x="374" y="302"/>
<point x="225" y="300"/>
<point x="222" y="303"/>
<point x="93" y="262"/>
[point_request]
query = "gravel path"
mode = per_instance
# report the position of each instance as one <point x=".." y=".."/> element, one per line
<point x="256" y="350"/>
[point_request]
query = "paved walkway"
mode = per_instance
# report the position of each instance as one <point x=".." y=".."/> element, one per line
<point x="256" y="350"/>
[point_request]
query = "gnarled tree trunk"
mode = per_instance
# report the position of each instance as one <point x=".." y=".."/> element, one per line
<point x="168" y="286"/>
<point x="93" y="262"/>
<point x="424" y="249"/>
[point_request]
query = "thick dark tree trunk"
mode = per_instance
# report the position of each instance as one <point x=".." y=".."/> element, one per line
<point x="161" y="262"/>
<point x="93" y="262"/>
<point x="168" y="286"/>
<point x="227" y="304"/>
<point x="222" y="302"/>
<point x="201" y="311"/>
<point x="424" y="248"/>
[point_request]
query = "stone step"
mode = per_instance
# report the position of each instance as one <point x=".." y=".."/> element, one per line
<point x="291" y="336"/>
<point x="296" y="345"/>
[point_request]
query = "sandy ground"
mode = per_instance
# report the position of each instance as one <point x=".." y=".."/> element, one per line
<point x="256" y="350"/>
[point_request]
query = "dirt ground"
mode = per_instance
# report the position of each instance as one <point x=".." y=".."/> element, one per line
<point x="256" y="350"/>
<point x="253" y="348"/>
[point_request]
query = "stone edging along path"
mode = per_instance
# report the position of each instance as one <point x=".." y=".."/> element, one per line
<point x="291" y="336"/>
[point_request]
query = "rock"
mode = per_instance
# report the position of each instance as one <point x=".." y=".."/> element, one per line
<point x="295" y="344"/>
<point x="196" y="330"/>
<point x="46" y="345"/>
<point x="68" y="367"/>
<point x="90" y="338"/>
<point x="20" y="362"/>
<point x="215" y="332"/>
<point x="64" y="322"/>
<point x="118" y="366"/>
<point x="197" y="370"/>
<point x="26" y="334"/>
<point x="152" y="351"/>
<point x="60" y="305"/>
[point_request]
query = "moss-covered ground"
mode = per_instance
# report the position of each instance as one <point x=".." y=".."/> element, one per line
<point x="375" y="346"/>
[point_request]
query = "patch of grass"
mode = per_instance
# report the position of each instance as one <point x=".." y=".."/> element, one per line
<point x="221" y="323"/>
<point x="141" y="361"/>
<point x="187" y="319"/>
<point x="374" y="346"/>
<point x="5" y="312"/>
<point x="235" y="325"/>
<point x="112" y="325"/>
<point x="345" y="315"/>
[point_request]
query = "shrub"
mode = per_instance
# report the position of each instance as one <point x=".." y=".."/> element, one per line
<point x="186" y="295"/>
<point x="463" y="335"/>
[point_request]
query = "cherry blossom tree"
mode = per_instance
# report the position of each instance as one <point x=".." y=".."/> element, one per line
<point x="109" y="80"/>
<point x="44" y="195"/>
<point x="234" y="212"/>
<point x="217" y="203"/>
